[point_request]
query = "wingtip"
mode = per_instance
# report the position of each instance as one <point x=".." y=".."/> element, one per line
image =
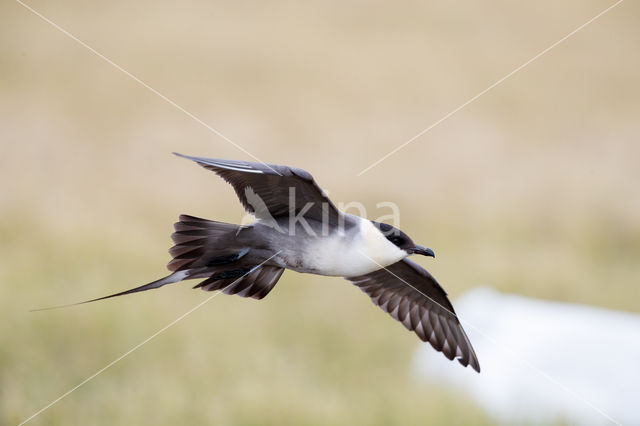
<point x="189" y="157"/>
<point x="473" y="363"/>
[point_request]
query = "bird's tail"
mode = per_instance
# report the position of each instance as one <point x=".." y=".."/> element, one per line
<point x="202" y="243"/>
<point x="212" y="250"/>
<point x="169" y="279"/>
<point x="208" y="249"/>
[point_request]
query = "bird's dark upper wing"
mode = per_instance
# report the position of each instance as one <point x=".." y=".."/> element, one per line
<point x="412" y="296"/>
<point x="267" y="186"/>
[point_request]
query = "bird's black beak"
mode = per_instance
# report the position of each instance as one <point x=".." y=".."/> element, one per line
<point x="423" y="251"/>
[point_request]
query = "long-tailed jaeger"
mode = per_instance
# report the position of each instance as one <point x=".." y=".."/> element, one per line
<point x="299" y="228"/>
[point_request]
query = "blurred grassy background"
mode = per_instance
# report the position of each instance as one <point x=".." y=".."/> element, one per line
<point x="532" y="189"/>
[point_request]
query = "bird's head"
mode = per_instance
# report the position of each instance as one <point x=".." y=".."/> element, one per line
<point x="402" y="240"/>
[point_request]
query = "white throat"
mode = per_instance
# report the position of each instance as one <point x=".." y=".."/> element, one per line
<point x="376" y="246"/>
<point x="354" y="253"/>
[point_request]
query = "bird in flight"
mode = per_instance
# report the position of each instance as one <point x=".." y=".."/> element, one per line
<point x="297" y="227"/>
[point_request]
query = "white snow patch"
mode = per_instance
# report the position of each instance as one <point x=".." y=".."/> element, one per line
<point x="544" y="361"/>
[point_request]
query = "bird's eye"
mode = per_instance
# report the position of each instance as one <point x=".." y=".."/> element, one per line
<point x="396" y="240"/>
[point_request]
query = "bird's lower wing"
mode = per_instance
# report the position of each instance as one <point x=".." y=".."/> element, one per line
<point x="412" y="296"/>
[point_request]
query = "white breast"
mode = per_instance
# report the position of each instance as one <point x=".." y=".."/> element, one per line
<point x="355" y="253"/>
